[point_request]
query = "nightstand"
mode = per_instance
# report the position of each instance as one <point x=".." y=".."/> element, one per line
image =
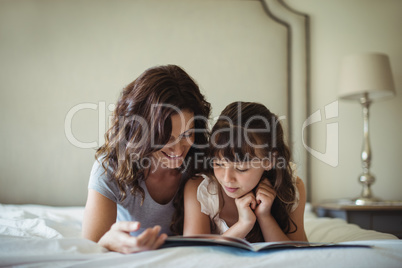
<point x="384" y="217"/>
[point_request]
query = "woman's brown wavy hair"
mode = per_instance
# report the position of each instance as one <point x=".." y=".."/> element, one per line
<point x="242" y="125"/>
<point x="141" y="125"/>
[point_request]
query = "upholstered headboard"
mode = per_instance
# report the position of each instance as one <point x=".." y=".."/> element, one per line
<point x="297" y="27"/>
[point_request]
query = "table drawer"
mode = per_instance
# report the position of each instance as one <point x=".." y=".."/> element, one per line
<point x="385" y="222"/>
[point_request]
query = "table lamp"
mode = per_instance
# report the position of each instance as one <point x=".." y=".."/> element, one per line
<point x="365" y="78"/>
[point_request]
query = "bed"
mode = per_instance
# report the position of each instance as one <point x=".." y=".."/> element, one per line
<point x="49" y="236"/>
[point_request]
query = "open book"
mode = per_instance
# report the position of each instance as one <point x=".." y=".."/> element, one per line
<point x="218" y="240"/>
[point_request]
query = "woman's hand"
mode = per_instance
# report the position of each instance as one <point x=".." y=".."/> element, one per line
<point x="245" y="206"/>
<point x="118" y="238"/>
<point x="265" y="196"/>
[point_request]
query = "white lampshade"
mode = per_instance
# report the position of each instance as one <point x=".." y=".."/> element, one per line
<point x="366" y="73"/>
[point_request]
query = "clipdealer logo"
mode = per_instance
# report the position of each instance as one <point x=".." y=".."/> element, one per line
<point x="68" y="122"/>
<point x="331" y="154"/>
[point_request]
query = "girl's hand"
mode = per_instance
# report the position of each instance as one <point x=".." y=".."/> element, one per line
<point x="245" y="206"/>
<point x="118" y="238"/>
<point x="265" y="196"/>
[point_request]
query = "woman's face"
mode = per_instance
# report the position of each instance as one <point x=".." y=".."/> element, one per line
<point x="181" y="139"/>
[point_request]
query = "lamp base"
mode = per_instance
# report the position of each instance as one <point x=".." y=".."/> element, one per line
<point x="362" y="201"/>
<point x="366" y="197"/>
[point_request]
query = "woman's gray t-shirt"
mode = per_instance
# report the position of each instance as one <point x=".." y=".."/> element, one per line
<point x="149" y="214"/>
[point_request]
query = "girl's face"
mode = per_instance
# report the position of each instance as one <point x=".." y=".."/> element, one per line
<point x="181" y="139"/>
<point x="239" y="178"/>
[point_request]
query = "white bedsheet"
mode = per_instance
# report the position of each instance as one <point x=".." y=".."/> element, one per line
<point x="42" y="236"/>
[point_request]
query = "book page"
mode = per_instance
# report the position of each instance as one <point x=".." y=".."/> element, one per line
<point x="218" y="240"/>
<point x="207" y="239"/>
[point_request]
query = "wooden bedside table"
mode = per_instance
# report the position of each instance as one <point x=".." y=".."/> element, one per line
<point x="384" y="217"/>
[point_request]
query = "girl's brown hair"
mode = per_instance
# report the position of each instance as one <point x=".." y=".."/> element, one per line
<point x="247" y="130"/>
<point x="141" y="125"/>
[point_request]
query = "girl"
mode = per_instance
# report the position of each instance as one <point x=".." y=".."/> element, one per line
<point x="158" y="128"/>
<point x="253" y="192"/>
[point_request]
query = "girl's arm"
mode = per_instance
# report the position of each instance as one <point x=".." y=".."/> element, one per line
<point x="246" y="219"/>
<point x="270" y="228"/>
<point x="195" y="222"/>
<point x="99" y="226"/>
<point x="298" y="214"/>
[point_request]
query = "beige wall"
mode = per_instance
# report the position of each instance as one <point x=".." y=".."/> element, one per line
<point x="339" y="28"/>
<point x="57" y="56"/>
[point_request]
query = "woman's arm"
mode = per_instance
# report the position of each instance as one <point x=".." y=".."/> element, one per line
<point x="99" y="226"/>
<point x="195" y="222"/>
<point x="99" y="215"/>
<point x="269" y="226"/>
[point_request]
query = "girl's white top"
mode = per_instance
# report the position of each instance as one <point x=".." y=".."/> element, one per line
<point x="207" y="195"/>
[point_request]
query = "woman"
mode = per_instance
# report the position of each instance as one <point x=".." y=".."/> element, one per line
<point x="158" y="130"/>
